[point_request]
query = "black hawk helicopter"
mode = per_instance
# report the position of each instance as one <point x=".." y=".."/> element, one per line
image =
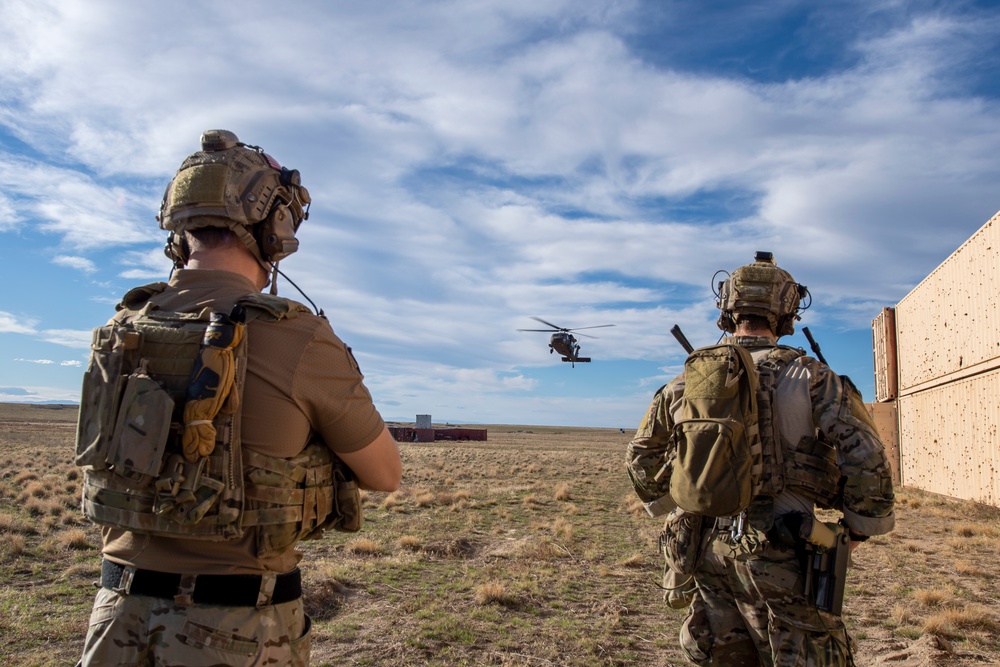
<point x="564" y="342"/>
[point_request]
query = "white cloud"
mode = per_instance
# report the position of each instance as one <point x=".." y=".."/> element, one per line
<point x="80" y="263"/>
<point x="149" y="264"/>
<point x="67" y="338"/>
<point x="473" y="164"/>
<point x="81" y="212"/>
<point x="10" y="323"/>
<point x="41" y="362"/>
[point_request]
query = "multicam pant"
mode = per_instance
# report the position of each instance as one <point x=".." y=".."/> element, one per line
<point x="133" y="630"/>
<point x="751" y="610"/>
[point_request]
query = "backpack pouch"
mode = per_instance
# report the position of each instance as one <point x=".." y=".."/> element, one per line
<point x="710" y="476"/>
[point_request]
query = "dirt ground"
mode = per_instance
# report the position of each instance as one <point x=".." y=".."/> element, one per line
<point x="526" y="549"/>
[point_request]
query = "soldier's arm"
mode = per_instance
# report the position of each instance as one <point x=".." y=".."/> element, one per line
<point x="377" y="465"/>
<point x="648" y="452"/>
<point x="865" y="476"/>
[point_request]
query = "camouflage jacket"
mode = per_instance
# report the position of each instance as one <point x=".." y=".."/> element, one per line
<point x="838" y="418"/>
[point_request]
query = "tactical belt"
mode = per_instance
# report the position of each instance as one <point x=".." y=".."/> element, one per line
<point x="226" y="590"/>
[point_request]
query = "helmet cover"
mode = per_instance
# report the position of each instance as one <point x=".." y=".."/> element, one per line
<point x="234" y="185"/>
<point x="763" y="289"/>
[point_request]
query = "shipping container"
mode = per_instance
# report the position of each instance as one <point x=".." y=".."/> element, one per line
<point x="950" y="322"/>
<point x="947" y="385"/>
<point x="949" y="439"/>
<point x="884" y="352"/>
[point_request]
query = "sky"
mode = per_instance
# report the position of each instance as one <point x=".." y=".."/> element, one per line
<point x="477" y="163"/>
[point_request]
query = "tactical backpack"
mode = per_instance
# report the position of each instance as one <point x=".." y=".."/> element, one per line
<point x="159" y="434"/>
<point x="727" y="447"/>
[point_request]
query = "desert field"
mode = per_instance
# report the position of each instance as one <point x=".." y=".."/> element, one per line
<point x="527" y="549"/>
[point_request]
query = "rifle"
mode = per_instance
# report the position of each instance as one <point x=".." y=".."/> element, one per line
<point x="826" y="564"/>
<point x="813" y="344"/>
<point x="681" y="338"/>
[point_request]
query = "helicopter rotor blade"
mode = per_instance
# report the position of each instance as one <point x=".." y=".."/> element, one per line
<point x="599" y="326"/>
<point x="538" y="319"/>
<point x="542" y="330"/>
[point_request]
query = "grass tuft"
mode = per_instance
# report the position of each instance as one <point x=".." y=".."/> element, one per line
<point x="363" y="546"/>
<point x="494" y="592"/>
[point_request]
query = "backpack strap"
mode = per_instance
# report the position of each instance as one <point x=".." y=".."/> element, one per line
<point x="769" y="369"/>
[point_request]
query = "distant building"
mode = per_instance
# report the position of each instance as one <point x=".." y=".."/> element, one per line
<point x="424" y="431"/>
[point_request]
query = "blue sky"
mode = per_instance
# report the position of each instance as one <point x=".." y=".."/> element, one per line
<point x="473" y="164"/>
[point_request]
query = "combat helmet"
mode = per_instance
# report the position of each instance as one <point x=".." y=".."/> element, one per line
<point x="763" y="289"/>
<point x="231" y="184"/>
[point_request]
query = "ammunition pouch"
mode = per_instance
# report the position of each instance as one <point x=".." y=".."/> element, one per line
<point x="299" y="498"/>
<point x="683" y="542"/>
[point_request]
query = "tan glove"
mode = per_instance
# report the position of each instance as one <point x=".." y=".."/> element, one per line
<point x="210" y="387"/>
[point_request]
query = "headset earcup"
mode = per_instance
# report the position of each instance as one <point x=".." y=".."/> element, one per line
<point x="177" y="249"/>
<point x="276" y="235"/>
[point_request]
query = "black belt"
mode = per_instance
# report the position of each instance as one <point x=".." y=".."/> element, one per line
<point x="227" y="590"/>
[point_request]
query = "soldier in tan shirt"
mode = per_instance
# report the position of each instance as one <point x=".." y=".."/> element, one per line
<point x="170" y="599"/>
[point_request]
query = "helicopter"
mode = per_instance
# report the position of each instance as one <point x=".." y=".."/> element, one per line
<point x="564" y="342"/>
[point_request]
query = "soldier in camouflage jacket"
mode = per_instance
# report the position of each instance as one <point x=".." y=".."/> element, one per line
<point x="747" y="596"/>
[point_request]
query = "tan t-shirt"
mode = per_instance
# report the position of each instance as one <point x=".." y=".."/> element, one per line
<point x="301" y="378"/>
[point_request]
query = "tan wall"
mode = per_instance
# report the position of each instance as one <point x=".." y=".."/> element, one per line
<point x="949" y="439"/>
<point x="950" y="322"/>
<point x="887" y="423"/>
<point x="948" y="361"/>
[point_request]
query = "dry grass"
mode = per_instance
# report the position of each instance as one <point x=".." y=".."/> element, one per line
<point x="937" y="597"/>
<point x="363" y="547"/>
<point x="74" y="538"/>
<point x="528" y="549"/>
<point x="409" y="542"/>
<point x="494" y="592"/>
<point x="952" y="623"/>
<point x="562" y="529"/>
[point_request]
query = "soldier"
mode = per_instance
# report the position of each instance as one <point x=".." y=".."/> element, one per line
<point x="215" y="425"/>
<point x="748" y="578"/>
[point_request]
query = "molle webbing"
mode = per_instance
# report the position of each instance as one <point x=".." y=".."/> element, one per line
<point x="171" y="342"/>
<point x="107" y="500"/>
<point x="137" y="479"/>
<point x="772" y="481"/>
<point x="289" y="499"/>
<point x="809" y="467"/>
<point x="294" y="493"/>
